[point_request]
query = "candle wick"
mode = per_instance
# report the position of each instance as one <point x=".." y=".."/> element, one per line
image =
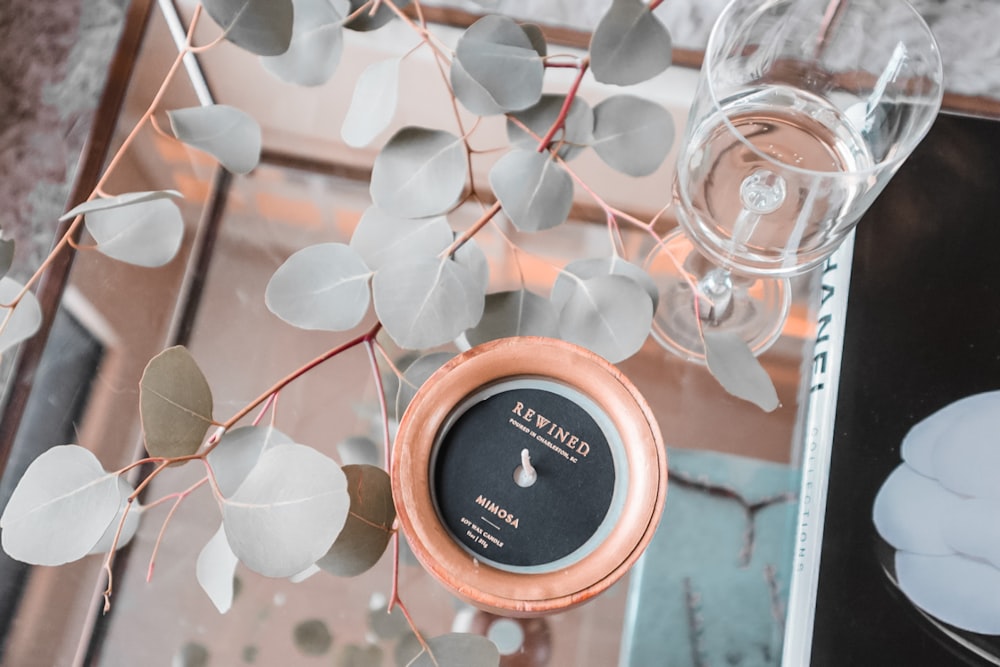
<point x="525" y="475"/>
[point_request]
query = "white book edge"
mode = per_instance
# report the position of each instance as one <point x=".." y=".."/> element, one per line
<point x="818" y="434"/>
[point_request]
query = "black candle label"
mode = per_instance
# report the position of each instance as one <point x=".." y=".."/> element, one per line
<point x="542" y="524"/>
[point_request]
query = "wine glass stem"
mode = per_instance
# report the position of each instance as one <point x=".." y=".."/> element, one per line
<point x="715" y="295"/>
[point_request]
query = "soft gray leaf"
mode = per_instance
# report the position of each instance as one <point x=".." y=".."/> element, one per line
<point x="419" y="173"/>
<point x="230" y="135"/>
<point x="373" y="104"/>
<point x="471" y="256"/>
<point x="575" y="134"/>
<point x="358" y="450"/>
<point x="127" y="199"/>
<point x="238" y="452"/>
<point x="386" y="625"/>
<point x="590" y="267"/>
<point x="278" y="528"/>
<point x="381" y="238"/>
<point x="366" y="21"/>
<point x="324" y="287"/>
<point x="175" y="404"/>
<point x="6" y="255"/>
<point x="316" y="46"/>
<point x="407" y="649"/>
<point x="60" y="508"/>
<point x="458" y="650"/>
<point x="535" y="192"/>
<point x="632" y="134"/>
<point x="312" y="637"/>
<point x="427" y="302"/>
<point x="498" y="54"/>
<point x="216" y="569"/>
<point x="366" y="533"/>
<point x="739" y="372"/>
<point x="146" y="233"/>
<point x="514" y="313"/>
<point x="471" y="93"/>
<point x="262" y="27"/>
<point x="536" y="37"/>
<point x="25" y="319"/>
<point x="629" y="45"/>
<point x="608" y="314"/>
<point x="416" y="374"/>
<point x="130" y="526"/>
<point x="354" y="655"/>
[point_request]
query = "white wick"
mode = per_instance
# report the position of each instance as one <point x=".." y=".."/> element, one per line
<point x="525" y="474"/>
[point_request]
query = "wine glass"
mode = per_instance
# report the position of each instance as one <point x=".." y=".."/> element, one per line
<point x="804" y="110"/>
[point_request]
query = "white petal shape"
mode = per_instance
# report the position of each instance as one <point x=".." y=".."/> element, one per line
<point x="920" y="441"/>
<point x="967" y="457"/>
<point x="911" y="511"/>
<point x="215" y="570"/>
<point x="973" y="529"/>
<point x="955" y="589"/>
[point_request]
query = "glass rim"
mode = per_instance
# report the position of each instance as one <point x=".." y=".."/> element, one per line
<point x="915" y="138"/>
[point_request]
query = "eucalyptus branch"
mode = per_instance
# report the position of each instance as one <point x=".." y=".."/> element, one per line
<point x="178" y="498"/>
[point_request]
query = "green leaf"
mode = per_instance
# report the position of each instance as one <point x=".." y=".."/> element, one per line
<point x="145" y="233"/>
<point x="6" y="255"/>
<point x="216" y="571"/>
<point x="26" y="318"/>
<point x="60" y="508"/>
<point x="609" y="314"/>
<point x="230" y="135"/>
<point x="416" y="374"/>
<point x="427" y="302"/>
<point x="288" y="511"/>
<point x="739" y="372"/>
<point x="591" y="267"/>
<point x="366" y="533"/>
<point x="324" y="287"/>
<point x="382" y="239"/>
<point x="175" y="404"/>
<point x="632" y="135"/>
<point x="130" y="526"/>
<point x="498" y="54"/>
<point x="128" y="199"/>
<point x="366" y="21"/>
<point x="419" y="173"/>
<point x="373" y="104"/>
<point x="238" y="452"/>
<point x="575" y="135"/>
<point x="629" y="45"/>
<point x="316" y="46"/>
<point x="514" y="313"/>
<point x="262" y="27"/>
<point x="458" y="650"/>
<point x="535" y="192"/>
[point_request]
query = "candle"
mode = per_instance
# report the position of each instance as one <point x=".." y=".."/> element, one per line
<point x="528" y="475"/>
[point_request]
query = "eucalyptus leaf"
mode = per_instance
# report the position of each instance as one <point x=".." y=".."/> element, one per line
<point x="608" y="314"/>
<point x="458" y="650"/>
<point x="216" y="570"/>
<point x="175" y="404"/>
<point x="381" y="238"/>
<point x="632" y="135"/>
<point x="130" y="526"/>
<point x="354" y="655"/>
<point x="26" y="318"/>
<point x="60" y="508"/>
<point x="407" y="649"/>
<point x="591" y="267"/>
<point x="427" y="302"/>
<point x="127" y="199"/>
<point x="574" y="136"/>
<point x="238" y="452"/>
<point x="312" y="637"/>
<point x="500" y="56"/>
<point x="368" y="529"/>
<point x="536" y="37"/>
<point x="146" y="233"/>
<point x="419" y="173"/>
<point x="373" y="104"/>
<point x="535" y="192"/>
<point x="471" y="93"/>
<point x="739" y="372"/>
<point x="358" y="450"/>
<point x="6" y="255"/>
<point x="262" y="27"/>
<point x="629" y="45"/>
<point x="366" y="21"/>
<point x="324" y="287"/>
<point x="386" y="625"/>
<point x="288" y="511"/>
<point x="316" y="46"/>
<point x="230" y="135"/>
<point x="471" y="256"/>
<point x="305" y="574"/>
<point x="416" y="374"/>
<point x="514" y="313"/>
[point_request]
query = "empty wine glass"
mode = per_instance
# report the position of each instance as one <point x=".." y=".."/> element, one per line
<point x="803" y="111"/>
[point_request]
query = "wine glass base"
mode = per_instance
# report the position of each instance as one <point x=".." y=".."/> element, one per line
<point x="757" y="313"/>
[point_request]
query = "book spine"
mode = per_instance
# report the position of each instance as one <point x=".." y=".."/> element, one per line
<point x="823" y="377"/>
